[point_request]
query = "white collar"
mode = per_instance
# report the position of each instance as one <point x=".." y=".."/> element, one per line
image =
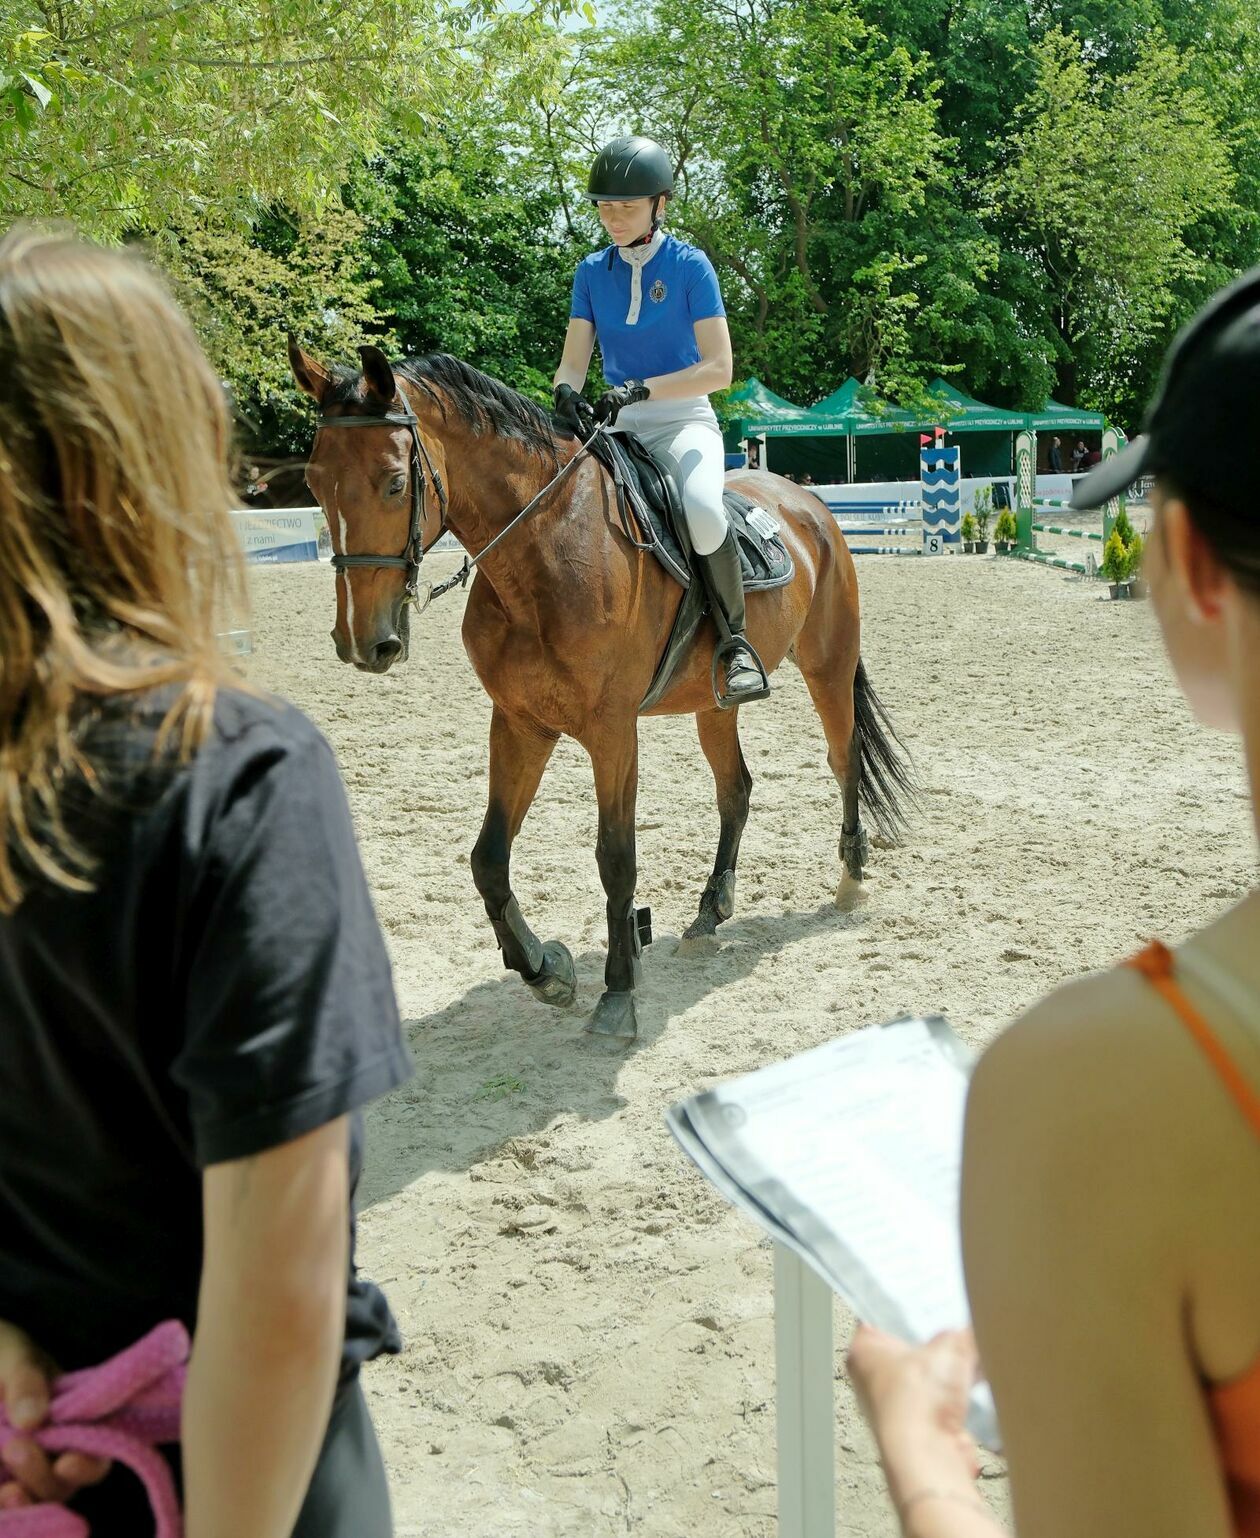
<point x="638" y="257"/>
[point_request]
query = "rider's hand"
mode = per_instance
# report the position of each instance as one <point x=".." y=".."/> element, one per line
<point x="612" y="401"/>
<point x="27" y="1473"/>
<point x="573" y="410"/>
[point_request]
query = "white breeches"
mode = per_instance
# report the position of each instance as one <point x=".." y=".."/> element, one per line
<point x="686" y="438"/>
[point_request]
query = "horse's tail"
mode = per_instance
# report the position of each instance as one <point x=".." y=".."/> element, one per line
<point x="886" y="781"/>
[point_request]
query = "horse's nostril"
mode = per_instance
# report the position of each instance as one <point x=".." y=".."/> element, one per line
<point x="388" y="651"/>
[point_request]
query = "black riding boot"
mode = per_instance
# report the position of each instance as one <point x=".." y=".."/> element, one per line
<point x="745" y="677"/>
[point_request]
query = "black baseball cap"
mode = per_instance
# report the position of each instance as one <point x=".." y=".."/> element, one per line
<point x="1203" y="427"/>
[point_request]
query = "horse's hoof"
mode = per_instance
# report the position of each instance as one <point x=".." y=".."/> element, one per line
<point x="615" y="1015"/>
<point x="851" y="893"/>
<point x="556" y="984"/>
<point x="701" y="944"/>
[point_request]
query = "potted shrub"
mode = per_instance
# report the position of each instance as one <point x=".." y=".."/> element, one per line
<point x="1115" y="562"/>
<point x="983" y="508"/>
<point x="1006" y="535"/>
<point x="968" y="532"/>
<point x="1124" y="528"/>
<point x="1137" y="582"/>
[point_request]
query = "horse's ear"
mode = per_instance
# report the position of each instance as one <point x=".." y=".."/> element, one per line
<point x="312" y="377"/>
<point x="377" y="374"/>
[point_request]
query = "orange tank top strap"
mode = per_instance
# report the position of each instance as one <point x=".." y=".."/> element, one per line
<point x="1234" y="1406"/>
<point x="1155" y="963"/>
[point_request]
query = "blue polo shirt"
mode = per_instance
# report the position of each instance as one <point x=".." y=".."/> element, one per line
<point x="680" y="287"/>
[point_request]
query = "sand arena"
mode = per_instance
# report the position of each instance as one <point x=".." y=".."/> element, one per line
<point x="589" y="1344"/>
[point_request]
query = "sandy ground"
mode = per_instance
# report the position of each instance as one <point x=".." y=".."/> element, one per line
<point x="589" y="1339"/>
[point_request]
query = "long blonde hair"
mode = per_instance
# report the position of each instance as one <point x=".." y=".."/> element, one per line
<point x="117" y="554"/>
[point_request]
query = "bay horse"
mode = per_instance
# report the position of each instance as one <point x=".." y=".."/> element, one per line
<point x="564" y="624"/>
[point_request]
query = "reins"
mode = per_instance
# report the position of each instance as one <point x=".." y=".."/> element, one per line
<point x="465" y="571"/>
<point x="418" y="463"/>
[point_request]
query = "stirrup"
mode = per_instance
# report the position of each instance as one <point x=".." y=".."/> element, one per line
<point x="732" y="698"/>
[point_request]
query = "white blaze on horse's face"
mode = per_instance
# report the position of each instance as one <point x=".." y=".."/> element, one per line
<point x="360" y="480"/>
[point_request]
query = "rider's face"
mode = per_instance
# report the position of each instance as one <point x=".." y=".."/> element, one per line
<point x="626" y="221"/>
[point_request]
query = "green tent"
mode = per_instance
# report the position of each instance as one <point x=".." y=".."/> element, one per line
<point x="890" y="446"/>
<point x="1054" y="417"/>
<point x="756" y="410"/>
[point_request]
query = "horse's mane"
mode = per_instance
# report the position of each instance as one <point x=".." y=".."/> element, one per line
<point x="486" y="404"/>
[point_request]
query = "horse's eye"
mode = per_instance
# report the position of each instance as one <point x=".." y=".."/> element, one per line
<point x="397" y="484"/>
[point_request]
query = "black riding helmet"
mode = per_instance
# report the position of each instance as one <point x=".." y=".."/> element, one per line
<point x="632" y="167"/>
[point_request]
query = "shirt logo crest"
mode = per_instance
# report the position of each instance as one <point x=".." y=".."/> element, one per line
<point x="657" y="291"/>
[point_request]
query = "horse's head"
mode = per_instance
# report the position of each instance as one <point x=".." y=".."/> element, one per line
<point x="371" y="486"/>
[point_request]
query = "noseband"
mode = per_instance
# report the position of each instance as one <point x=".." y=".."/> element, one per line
<point x="418" y="463"/>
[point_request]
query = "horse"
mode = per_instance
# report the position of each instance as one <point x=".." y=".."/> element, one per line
<point x="564" y="624"/>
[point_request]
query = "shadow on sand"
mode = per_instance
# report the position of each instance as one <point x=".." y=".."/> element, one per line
<point x="496" y="1065"/>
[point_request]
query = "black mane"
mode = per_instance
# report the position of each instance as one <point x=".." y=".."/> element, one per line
<point x="486" y="404"/>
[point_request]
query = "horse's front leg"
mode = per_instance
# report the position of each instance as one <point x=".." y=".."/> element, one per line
<point x="615" y="758"/>
<point x="519" y="752"/>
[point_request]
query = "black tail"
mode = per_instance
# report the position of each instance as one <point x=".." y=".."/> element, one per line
<point x="886" y="780"/>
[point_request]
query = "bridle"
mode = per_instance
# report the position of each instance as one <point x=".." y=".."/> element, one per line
<point x="418" y="463"/>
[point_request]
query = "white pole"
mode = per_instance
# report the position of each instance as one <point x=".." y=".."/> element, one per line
<point x="804" y="1364"/>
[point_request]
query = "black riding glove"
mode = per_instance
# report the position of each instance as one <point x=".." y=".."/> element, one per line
<point x="573" y="410"/>
<point x="612" y="401"/>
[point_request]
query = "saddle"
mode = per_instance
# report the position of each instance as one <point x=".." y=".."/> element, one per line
<point x="649" y="505"/>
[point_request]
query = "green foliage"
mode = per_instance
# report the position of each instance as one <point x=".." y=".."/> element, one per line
<point x="467" y="256"/>
<point x="1106" y="179"/>
<point x="245" y="290"/>
<point x="1115" y="561"/>
<point x="1133" y="557"/>
<point x="1123" y="526"/>
<point x="1007" y="529"/>
<point x="968" y="529"/>
<point x="982" y="504"/>
<point x="499" y="1087"/>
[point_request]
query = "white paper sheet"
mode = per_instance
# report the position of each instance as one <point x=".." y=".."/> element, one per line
<point x="852" y="1153"/>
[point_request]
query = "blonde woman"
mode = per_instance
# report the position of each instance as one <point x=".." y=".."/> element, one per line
<point x="195" y="996"/>
<point x="1111" y="1181"/>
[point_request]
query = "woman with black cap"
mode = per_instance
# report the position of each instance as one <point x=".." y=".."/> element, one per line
<point x="1111" y="1173"/>
<point x="653" y="304"/>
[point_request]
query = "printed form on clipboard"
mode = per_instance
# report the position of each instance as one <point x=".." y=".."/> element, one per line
<point x="851" y="1155"/>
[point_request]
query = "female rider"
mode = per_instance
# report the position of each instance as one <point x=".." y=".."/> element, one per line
<point x="653" y="304"/>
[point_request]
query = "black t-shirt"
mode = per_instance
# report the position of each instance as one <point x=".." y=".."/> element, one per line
<point x="224" y="989"/>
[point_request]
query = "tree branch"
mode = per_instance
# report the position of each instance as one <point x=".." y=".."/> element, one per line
<point x="133" y="21"/>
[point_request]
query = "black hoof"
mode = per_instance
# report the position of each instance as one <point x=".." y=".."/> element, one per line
<point x="556" y="984"/>
<point x="615" y="1015"/>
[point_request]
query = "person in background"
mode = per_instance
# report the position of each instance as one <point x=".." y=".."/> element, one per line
<point x="1078" y="456"/>
<point x="1111" y="1170"/>
<point x="1056" y="456"/>
<point x="196" y="997"/>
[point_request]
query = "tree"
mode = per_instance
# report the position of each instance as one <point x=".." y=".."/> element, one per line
<point x="1106" y="181"/>
<point x="245" y="289"/>
<point x="124" y="114"/>
<point x="807" y="156"/>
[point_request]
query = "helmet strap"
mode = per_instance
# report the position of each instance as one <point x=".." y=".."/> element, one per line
<point x="657" y="221"/>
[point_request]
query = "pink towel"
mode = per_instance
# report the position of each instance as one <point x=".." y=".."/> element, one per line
<point x="122" y="1410"/>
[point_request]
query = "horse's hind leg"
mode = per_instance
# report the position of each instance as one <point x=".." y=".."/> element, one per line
<point x="518" y="755"/>
<point x="833" y="700"/>
<point x="719" y="738"/>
